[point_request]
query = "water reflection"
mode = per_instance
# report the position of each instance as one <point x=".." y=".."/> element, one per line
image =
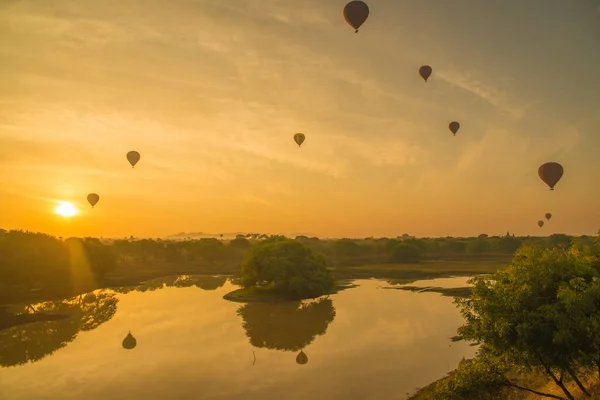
<point x="31" y="332"/>
<point x="129" y="342"/>
<point x="32" y="342"/>
<point x="301" y="358"/>
<point x="204" y="282"/>
<point x="192" y="345"/>
<point x="286" y="326"/>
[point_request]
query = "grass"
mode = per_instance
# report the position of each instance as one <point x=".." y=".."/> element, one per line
<point x="533" y="381"/>
<point x="408" y="273"/>
<point x="267" y="294"/>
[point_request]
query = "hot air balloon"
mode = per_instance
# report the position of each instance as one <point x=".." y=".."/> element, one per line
<point x="133" y="157"/>
<point x="129" y="342"/>
<point x="540" y="223"/>
<point x="93" y="198"/>
<point x="550" y="173"/>
<point x="301" y="358"/>
<point x="548" y="216"/>
<point x="299" y="138"/>
<point x="425" y="72"/>
<point x="454" y="127"/>
<point x="356" y="13"/>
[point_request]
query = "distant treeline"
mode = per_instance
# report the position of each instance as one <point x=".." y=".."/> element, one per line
<point x="37" y="263"/>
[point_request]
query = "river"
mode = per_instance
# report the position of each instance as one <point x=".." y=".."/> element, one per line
<point x="362" y="343"/>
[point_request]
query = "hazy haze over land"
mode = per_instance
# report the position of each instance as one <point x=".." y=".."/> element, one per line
<point x="211" y="92"/>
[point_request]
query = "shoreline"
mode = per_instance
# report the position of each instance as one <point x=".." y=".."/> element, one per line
<point x="394" y="273"/>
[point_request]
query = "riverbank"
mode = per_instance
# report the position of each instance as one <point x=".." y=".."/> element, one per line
<point x="532" y="381"/>
<point x="258" y="294"/>
<point x="395" y="274"/>
<point x="406" y="273"/>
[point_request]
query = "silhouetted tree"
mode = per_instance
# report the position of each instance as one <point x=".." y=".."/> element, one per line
<point x="240" y="243"/>
<point x="287" y="266"/>
<point x="406" y="253"/>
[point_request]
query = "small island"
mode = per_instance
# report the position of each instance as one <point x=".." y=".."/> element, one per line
<point x="283" y="270"/>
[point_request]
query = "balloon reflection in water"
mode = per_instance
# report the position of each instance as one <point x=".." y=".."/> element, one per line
<point x="286" y="326"/>
<point x="129" y="342"/>
<point x="301" y="358"/>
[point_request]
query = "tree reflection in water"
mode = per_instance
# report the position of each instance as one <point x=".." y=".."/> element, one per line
<point x="33" y="341"/>
<point x="205" y="282"/>
<point x="286" y="326"/>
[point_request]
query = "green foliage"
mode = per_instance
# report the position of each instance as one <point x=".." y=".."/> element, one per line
<point x="479" y="246"/>
<point x="456" y="246"/>
<point x="406" y="253"/>
<point x="559" y="239"/>
<point x="483" y="378"/>
<point x="101" y="258"/>
<point x="31" y="259"/>
<point x="541" y="314"/>
<point x="44" y="263"/>
<point x="240" y="243"/>
<point x="509" y="244"/>
<point x="287" y="266"/>
<point x="345" y="249"/>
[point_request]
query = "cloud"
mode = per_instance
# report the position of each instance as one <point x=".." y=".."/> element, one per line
<point x="273" y="70"/>
<point x="493" y="95"/>
<point x="490" y="151"/>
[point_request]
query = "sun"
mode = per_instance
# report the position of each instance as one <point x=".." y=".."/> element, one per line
<point x="66" y="209"/>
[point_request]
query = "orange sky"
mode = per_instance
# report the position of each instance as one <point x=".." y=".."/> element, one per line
<point x="211" y="93"/>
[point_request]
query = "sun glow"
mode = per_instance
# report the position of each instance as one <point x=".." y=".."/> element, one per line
<point x="66" y="209"/>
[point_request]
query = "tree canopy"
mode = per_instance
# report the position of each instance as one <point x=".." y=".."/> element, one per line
<point x="541" y="315"/>
<point x="287" y="266"/>
<point x="36" y="263"/>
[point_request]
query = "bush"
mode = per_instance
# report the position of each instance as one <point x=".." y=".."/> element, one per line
<point x="287" y="266"/>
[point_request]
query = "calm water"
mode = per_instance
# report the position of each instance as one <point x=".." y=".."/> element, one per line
<point x="363" y="343"/>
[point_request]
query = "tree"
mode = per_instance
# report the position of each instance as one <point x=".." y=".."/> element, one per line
<point x="509" y="244"/>
<point x="211" y="250"/>
<point x="559" y="239"/>
<point x="480" y="379"/>
<point x="577" y="316"/>
<point x="456" y="246"/>
<point x="347" y="248"/>
<point x="406" y="253"/>
<point x="240" y="243"/>
<point x="479" y="246"/>
<point x="287" y="266"/>
<point x="521" y="312"/>
<point x="483" y="378"/>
